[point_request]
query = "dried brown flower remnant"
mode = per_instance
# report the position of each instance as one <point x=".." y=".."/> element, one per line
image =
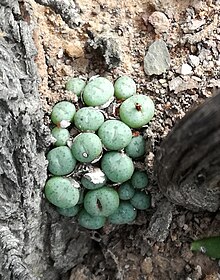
<point x="138" y="106"/>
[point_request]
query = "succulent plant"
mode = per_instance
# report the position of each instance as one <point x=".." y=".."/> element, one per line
<point x="139" y="179"/>
<point x="75" y="85"/>
<point x="118" y="167"/>
<point x="110" y="189"/>
<point x="124" y="87"/>
<point x="86" y="147"/>
<point x="90" y="222"/>
<point x="115" y="135"/>
<point x="124" y="214"/>
<point x="137" y="110"/>
<point x="136" y="148"/>
<point x="62" y="192"/>
<point x="126" y="191"/>
<point x="61" y="161"/>
<point x="140" y="200"/>
<point x="88" y="119"/>
<point x="61" y="135"/>
<point x="101" y="202"/>
<point x="68" y="212"/>
<point x="98" y="91"/>
<point x="63" y="111"/>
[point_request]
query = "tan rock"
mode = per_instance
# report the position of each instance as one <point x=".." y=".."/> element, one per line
<point x="160" y="22"/>
<point x="147" y="266"/>
<point x="73" y="49"/>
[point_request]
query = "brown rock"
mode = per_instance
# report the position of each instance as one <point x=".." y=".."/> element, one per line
<point x="147" y="266"/>
<point x="74" y="49"/>
<point x="81" y="273"/>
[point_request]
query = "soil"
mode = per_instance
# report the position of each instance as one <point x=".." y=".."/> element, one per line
<point x="127" y="252"/>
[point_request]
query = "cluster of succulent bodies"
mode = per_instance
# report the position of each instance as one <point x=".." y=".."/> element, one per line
<point x="92" y="174"/>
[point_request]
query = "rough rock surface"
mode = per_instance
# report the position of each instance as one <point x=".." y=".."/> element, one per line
<point x="157" y="59"/>
<point x="106" y="47"/>
<point x="66" y="9"/>
<point x="32" y="241"/>
<point x="188" y="160"/>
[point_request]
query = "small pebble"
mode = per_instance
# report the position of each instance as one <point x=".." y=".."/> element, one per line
<point x="195" y="24"/>
<point x="162" y="81"/>
<point x="196" y="78"/>
<point x="60" y="53"/>
<point x="147" y="266"/>
<point x="194" y="60"/>
<point x="163" y="91"/>
<point x="160" y="22"/>
<point x="185" y="69"/>
<point x="73" y="50"/>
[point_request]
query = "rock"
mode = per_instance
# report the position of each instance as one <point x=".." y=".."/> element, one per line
<point x="81" y="272"/>
<point x="105" y="48"/>
<point x="194" y="60"/>
<point x="60" y="53"/>
<point x="159" y="225"/>
<point x="147" y="266"/>
<point x="185" y="69"/>
<point x="81" y="64"/>
<point x="160" y="22"/>
<point x="195" y="24"/>
<point x="214" y="83"/>
<point x="157" y="59"/>
<point x="183" y="154"/>
<point x="178" y="84"/>
<point x="73" y="50"/>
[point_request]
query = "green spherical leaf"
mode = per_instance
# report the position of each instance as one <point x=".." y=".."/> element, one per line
<point x="86" y="147"/>
<point x="125" y="213"/>
<point x="69" y="212"/>
<point x="115" y="135"/>
<point x="101" y="202"/>
<point x="61" y="161"/>
<point x="126" y="191"/>
<point x="62" y="192"/>
<point x="136" y="148"/>
<point x="90" y="222"/>
<point x="137" y="110"/>
<point x="88" y="119"/>
<point x="139" y="179"/>
<point x="63" y="111"/>
<point x="124" y="87"/>
<point x="140" y="200"/>
<point x="118" y="167"/>
<point x="98" y="91"/>
<point x="61" y="135"/>
<point x="76" y="85"/>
